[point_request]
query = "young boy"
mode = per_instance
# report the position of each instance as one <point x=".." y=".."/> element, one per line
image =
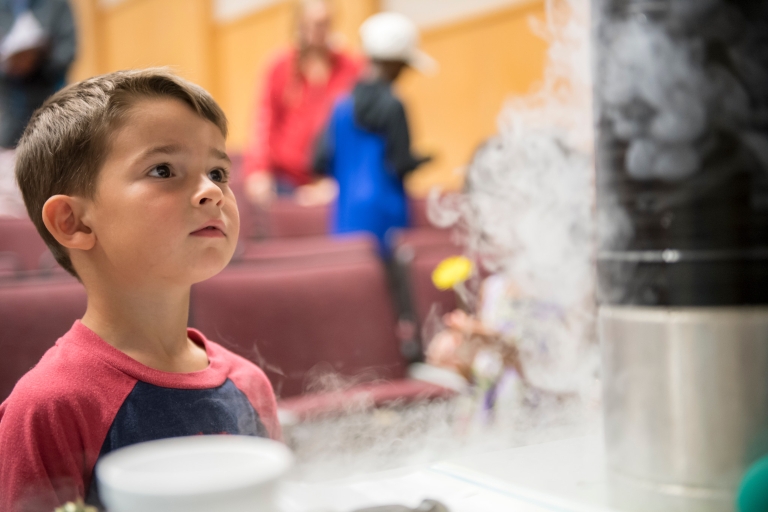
<point x="367" y="146"/>
<point x="125" y="176"/>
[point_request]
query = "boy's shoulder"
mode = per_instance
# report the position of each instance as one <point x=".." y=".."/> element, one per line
<point x="67" y="378"/>
<point x="82" y="382"/>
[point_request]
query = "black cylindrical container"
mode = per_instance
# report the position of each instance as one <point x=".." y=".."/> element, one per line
<point x="681" y="98"/>
<point x="681" y="101"/>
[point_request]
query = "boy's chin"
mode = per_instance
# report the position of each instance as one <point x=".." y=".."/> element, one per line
<point x="208" y="263"/>
<point x="206" y="271"/>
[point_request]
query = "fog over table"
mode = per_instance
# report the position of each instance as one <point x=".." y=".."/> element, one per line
<point x="527" y="216"/>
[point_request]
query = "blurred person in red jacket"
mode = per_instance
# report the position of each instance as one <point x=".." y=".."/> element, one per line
<point x="300" y="88"/>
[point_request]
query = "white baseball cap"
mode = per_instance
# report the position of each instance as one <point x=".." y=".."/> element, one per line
<point x="393" y="36"/>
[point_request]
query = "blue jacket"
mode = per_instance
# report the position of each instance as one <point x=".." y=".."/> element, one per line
<point x="366" y="148"/>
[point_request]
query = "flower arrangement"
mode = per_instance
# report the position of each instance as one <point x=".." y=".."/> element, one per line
<point x="76" y="506"/>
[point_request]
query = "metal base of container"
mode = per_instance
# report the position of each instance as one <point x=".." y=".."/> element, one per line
<point x="686" y="403"/>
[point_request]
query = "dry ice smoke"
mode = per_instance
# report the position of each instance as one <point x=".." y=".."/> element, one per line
<point x="528" y="209"/>
<point x="527" y="215"/>
<point x="666" y="93"/>
<point x="680" y="89"/>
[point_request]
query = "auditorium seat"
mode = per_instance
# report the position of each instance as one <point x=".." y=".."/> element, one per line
<point x="20" y="236"/>
<point x="418" y="251"/>
<point x="313" y="406"/>
<point x="413" y="239"/>
<point x="419" y="217"/>
<point x="34" y="313"/>
<point x="9" y="264"/>
<point x="330" y="248"/>
<point x="302" y="319"/>
<point x="418" y="206"/>
<point x="286" y="218"/>
<point x="248" y="215"/>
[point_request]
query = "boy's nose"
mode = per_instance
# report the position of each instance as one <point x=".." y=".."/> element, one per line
<point x="208" y="192"/>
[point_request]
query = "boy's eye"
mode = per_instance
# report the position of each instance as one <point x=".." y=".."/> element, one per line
<point x="161" y="171"/>
<point x="218" y="175"/>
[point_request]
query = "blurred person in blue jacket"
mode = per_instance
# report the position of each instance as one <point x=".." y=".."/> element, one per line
<point x="366" y="147"/>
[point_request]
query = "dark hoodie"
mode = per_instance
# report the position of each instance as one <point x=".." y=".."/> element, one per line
<point x="378" y="110"/>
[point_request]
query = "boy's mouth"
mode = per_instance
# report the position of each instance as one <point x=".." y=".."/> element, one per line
<point x="212" y="229"/>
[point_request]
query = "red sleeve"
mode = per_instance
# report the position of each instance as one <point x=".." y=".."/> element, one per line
<point x="52" y="428"/>
<point x="258" y="153"/>
<point x="252" y="381"/>
<point x="40" y="467"/>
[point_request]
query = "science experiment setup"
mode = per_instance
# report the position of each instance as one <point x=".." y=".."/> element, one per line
<point x="616" y="274"/>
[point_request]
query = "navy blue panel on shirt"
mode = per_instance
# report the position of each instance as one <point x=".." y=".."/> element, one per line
<point x="151" y="412"/>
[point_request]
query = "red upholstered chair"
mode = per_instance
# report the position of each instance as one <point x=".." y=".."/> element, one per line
<point x="414" y="239"/>
<point x="251" y="217"/>
<point x="327" y="248"/>
<point x="247" y="213"/>
<point x="418" y="251"/>
<point x="9" y="264"/>
<point x="376" y="394"/>
<point x="419" y="217"/>
<point x="299" y="319"/>
<point x="20" y="237"/>
<point x="286" y="218"/>
<point x="34" y="313"/>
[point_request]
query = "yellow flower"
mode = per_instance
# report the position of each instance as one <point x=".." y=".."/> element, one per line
<point x="77" y="506"/>
<point x="451" y="271"/>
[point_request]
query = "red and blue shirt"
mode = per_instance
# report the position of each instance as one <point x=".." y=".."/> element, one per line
<point x="85" y="398"/>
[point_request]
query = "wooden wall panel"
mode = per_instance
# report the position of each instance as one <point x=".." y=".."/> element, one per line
<point x="175" y="33"/>
<point x="482" y="62"/>
<point x="242" y="51"/>
<point x="349" y="15"/>
<point x="88" y="58"/>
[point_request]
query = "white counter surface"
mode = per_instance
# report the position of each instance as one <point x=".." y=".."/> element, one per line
<point x="562" y="476"/>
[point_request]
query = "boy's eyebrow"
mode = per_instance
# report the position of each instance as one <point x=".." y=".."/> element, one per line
<point x="170" y="149"/>
<point x="221" y="155"/>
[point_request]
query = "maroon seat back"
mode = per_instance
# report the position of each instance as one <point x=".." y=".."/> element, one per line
<point x="329" y="248"/>
<point x="418" y="251"/>
<point x="415" y="239"/>
<point x="34" y="313"/>
<point x="286" y="218"/>
<point x="250" y="226"/>
<point x="9" y="264"/>
<point x="20" y="236"/>
<point x="418" y="207"/>
<point x="296" y="319"/>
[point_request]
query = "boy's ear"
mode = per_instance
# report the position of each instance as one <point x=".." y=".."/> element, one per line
<point x="62" y="215"/>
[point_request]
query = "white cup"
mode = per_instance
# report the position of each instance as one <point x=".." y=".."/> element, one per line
<point x="194" y="474"/>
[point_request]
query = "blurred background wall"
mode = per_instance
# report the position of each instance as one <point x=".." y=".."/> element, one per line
<point x="486" y="50"/>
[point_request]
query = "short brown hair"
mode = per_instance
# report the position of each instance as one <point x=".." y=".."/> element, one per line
<point x="66" y="141"/>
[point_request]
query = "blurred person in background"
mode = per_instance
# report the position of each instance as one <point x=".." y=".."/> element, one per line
<point x="366" y="147"/>
<point x="300" y="87"/>
<point x="37" y="46"/>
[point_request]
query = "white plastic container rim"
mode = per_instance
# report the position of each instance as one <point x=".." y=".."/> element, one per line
<point x="194" y="465"/>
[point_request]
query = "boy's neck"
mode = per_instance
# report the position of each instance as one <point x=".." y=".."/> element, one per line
<point x="150" y="326"/>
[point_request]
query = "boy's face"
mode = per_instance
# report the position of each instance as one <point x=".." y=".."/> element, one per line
<point x="163" y="212"/>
